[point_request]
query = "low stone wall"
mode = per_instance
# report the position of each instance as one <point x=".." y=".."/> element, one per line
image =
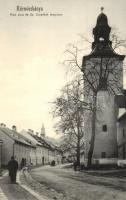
<point x="121" y="163"/>
<point x="106" y="161"/>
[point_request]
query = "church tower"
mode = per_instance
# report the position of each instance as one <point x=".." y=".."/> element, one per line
<point x="42" y="134"/>
<point x="103" y="72"/>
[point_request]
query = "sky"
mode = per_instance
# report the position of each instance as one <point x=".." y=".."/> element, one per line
<point x="32" y="48"/>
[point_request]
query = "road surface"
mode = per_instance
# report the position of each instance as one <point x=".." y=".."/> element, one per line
<point x="65" y="184"/>
<point x="48" y="183"/>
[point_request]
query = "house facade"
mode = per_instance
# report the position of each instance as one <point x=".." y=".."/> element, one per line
<point x="14" y="145"/>
<point x="48" y="149"/>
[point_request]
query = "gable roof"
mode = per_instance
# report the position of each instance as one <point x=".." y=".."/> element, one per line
<point x="42" y="141"/>
<point x="30" y="138"/>
<point x="15" y="136"/>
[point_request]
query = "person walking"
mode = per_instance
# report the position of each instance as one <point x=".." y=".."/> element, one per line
<point x="12" y="167"/>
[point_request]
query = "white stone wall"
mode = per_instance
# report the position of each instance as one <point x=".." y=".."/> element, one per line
<point x="106" y="109"/>
<point x="46" y="155"/>
<point x="51" y="155"/>
<point x="39" y="154"/>
<point x="106" y="141"/>
<point x="33" y="159"/>
<point x="22" y="151"/>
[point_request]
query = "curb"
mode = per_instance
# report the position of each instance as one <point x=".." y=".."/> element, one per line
<point x="32" y="192"/>
<point x="2" y="195"/>
<point x="3" y="174"/>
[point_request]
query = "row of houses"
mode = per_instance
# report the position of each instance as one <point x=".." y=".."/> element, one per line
<point x="27" y="145"/>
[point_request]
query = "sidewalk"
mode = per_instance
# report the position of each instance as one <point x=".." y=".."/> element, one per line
<point x="113" y="173"/>
<point x="25" y="181"/>
<point x="19" y="191"/>
<point x="2" y="195"/>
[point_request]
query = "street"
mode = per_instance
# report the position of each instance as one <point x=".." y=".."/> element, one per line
<point x="59" y="183"/>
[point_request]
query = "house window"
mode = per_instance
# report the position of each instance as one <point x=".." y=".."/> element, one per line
<point x="103" y="154"/>
<point x="104" y="128"/>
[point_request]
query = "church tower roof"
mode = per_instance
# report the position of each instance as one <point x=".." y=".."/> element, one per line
<point x="102" y="30"/>
<point x="102" y="46"/>
<point x="42" y="131"/>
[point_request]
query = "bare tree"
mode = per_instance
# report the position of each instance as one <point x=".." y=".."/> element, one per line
<point x="70" y="108"/>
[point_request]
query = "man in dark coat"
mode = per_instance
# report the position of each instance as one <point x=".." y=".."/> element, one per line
<point x="12" y="167"/>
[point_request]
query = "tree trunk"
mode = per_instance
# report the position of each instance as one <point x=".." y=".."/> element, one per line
<point x="78" y="139"/>
<point x="78" y="155"/>
<point x="90" y="153"/>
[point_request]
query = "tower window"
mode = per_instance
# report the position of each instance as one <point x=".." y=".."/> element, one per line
<point x="104" y="128"/>
<point x="103" y="154"/>
<point x="103" y="83"/>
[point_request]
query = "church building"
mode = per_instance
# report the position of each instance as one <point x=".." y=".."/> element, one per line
<point x="103" y="79"/>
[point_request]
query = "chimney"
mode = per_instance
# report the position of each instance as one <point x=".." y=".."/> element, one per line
<point x="14" y="128"/>
<point x="3" y="125"/>
<point x="30" y="131"/>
